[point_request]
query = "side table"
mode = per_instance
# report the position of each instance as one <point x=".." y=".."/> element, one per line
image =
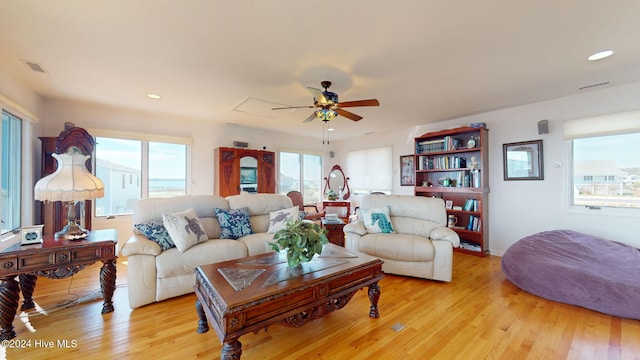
<point x="55" y="258"/>
<point x="341" y="207"/>
<point x="335" y="232"/>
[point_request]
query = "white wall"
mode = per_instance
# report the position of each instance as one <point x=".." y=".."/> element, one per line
<point x="521" y="208"/>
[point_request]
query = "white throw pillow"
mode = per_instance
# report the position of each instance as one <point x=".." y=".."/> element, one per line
<point x="278" y="219"/>
<point x="377" y="220"/>
<point x="184" y="228"/>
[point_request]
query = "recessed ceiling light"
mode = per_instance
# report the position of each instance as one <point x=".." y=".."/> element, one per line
<point x="600" y="55"/>
<point x="331" y="129"/>
<point x="153" y="96"/>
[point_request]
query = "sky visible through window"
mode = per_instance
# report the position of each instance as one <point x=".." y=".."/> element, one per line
<point x="614" y="147"/>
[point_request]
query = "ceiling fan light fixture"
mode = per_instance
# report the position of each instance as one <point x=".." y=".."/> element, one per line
<point x="326" y="114"/>
<point x="331" y="97"/>
<point x="600" y="55"/>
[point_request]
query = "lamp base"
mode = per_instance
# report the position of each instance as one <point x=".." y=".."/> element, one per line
<point x="72" y="231"/>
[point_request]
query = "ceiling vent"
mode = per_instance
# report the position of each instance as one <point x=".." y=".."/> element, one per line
<point x="35" y="66"/>
<point x="591" y="86"/>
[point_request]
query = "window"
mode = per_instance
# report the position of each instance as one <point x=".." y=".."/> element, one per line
<point x="606" y="171"/>
<point x="133" y="168"/>
<point x="370" y="170"/>
<point x="606" y="165"/>
<point x="11" y="172"/>
<point x="301" y="172"/>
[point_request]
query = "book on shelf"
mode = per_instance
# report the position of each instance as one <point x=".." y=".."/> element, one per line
<point x="474" y="223"/>
<point x="471" y="205"/>
<point x="430" y="146"/>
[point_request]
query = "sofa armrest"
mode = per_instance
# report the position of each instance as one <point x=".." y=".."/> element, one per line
<point x="356" y="228"/>
<point x="139" y="244"/>
<point x="444" y="233"/>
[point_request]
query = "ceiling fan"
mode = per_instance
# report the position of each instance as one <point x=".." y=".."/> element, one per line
<point x="329" y="106"/>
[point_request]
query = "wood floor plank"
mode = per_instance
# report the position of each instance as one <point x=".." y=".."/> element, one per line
<point x="479" y="315"/>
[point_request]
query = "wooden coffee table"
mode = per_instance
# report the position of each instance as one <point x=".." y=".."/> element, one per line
<point x="250" y="294"/>
<point x="55" y="259"/>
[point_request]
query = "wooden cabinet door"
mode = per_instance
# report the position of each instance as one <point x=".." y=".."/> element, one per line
<point x="228" y="166"/>
<point x="267" y="172"/>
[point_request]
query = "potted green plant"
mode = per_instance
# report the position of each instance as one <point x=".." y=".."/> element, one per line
<point x="301" y="240"/>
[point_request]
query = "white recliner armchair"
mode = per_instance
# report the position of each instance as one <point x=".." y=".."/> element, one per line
<point x="421" y="246"/>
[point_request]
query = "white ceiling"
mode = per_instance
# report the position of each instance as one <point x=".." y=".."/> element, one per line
<point x="425" y="60"/>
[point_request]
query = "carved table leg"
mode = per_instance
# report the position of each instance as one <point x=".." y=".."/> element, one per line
<point x="203" y="327"/>
<point x="108" y="284"/>
<point x="9" y="298"/>
<point x="231" y="350"/>
<point x="27" y="284"/>
<point x="374" y="296"/>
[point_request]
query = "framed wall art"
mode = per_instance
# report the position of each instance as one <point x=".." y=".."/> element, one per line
<point x="523" y="160"/>
<point x="407" y="171"/>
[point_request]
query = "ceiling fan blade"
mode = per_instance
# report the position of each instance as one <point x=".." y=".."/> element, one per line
<point x="311" y="117"/>
<point x="370" y="102"/>
<point x="294" y="107"/>
<point x="348" y="115"/>
<point x="317" y="94"/>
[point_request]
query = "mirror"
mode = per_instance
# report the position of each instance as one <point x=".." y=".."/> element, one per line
<point x="337" y="181"/>
<point x="249" y="174"/>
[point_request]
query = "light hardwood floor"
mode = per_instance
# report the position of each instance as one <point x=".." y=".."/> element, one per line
<point x="480" y="315"/>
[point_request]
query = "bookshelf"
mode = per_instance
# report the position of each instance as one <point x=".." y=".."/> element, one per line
<point x="453" y="165"/>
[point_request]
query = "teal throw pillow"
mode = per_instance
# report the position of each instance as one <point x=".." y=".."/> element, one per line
<point x="234" y="223"/>
<point x="377" y="220"/>
<point x="157" y="233"/>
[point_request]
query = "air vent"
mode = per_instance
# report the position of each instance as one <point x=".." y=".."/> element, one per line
<point x="593" y="85"/>
<point x="35" y="66"/>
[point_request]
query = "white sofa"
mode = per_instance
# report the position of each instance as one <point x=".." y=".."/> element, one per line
<point x="155" y="275"/>
<point x="422" y="245"/>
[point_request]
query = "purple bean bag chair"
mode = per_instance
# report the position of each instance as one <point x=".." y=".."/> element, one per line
<point x="578" y="269"/>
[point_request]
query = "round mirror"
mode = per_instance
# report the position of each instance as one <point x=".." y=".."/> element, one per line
<point x="337" y="182"/>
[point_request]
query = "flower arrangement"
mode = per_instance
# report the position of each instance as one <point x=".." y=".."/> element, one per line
<point x="301" y="239"/>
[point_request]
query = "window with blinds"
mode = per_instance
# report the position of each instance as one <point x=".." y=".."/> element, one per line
<point x="605" y="153"/>
<point x="370" y="170"/>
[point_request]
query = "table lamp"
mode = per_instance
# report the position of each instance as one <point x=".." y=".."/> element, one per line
<point x="70" y="182"/>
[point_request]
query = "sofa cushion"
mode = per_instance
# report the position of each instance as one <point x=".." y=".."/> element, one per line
<point x="234" y="223"/>
<point x="184" y="228"/>
<point x="148" y="209"/>
<point x="401" y="247"/>
<point x="278" y="219"/>
<point x="377" y="220"/>
<point x="260" y="205"/>
<point x="257" y="243"/>
<point x="156" y="232"/>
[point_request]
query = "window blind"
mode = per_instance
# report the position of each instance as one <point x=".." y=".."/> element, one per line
<point x="370" y="169"/>
<point x="610" y="124"/>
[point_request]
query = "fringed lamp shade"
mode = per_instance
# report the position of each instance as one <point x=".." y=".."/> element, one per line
<point x="70" y="182"/>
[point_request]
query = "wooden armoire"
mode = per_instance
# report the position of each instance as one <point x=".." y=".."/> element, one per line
<point x="54" y="214"/>
<point x="228" y="167"/>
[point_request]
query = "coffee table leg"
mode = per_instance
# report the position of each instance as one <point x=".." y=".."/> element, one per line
<point x="374" y="296"/>
<point x="108" y="284"/>
<point x="203" y="327"/>
<point x="9" y="298"/>
<point x="27" y="284"/>
<point x="231" y="350"/>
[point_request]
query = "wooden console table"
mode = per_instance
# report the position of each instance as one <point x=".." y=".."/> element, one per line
<point x="55" y="259"/>
<point x="246" y="295"/>
<point x="343" y="208"/>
